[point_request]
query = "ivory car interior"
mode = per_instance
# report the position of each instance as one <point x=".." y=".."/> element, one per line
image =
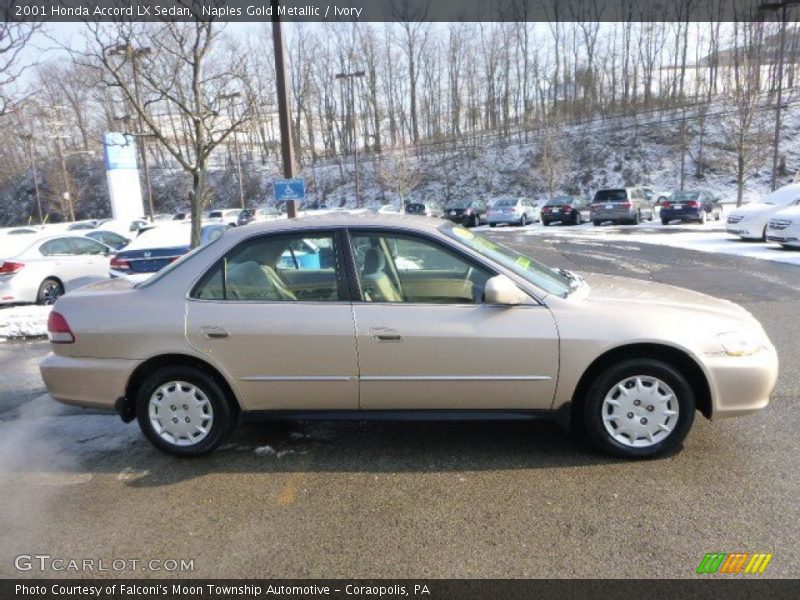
<point x="367" y="316"/>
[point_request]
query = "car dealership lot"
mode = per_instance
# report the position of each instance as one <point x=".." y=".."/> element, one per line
<point x="410" y="499"/>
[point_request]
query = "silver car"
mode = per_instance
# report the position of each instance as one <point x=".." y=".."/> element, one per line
<point x="375" y="316"/>
<point x="512" y="211"/>
<point x="42" y="269"/>
<point x="623" y="205"/>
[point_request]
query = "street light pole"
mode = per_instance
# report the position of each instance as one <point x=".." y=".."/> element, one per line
<point x="67" y="195"/>
<point x="283" y="104"/>
<point x="350" y="77"/>
<point x="29" y="138"/>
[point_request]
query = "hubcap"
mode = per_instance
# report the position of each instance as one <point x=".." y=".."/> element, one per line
<point x="181" y="413"/>
<point x="640" y="411"/>
<point x="50" y="293"/>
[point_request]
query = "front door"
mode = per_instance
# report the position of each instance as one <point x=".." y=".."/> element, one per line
<point x="274" y="315"/>
<point x="426" y="340"/>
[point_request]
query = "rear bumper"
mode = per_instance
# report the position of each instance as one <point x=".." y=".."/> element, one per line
<point x="681" y="215"/>
<point x="602" y="215"/>
<point x="741" y="385"/>
<point x="501" y="219"/>
<point x="11" y="292"/>
<point x="89" y="382"/>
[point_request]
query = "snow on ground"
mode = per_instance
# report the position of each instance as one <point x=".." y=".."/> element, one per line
<point x="19" y="322"/>
<point x="710" y="237"/>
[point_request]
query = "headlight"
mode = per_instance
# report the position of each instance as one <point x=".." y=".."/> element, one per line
<point x="737" y="343"/>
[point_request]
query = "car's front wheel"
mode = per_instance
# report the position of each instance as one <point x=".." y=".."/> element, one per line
<point x="639" y="408"/>
<point x="184" y="411"/>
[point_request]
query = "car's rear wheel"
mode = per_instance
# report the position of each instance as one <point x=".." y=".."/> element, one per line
<point x="492" y="224"/>
<point x="49" y="291"/>
<point x="665" y="221"/>
<point x="523" y="221"/>
<point x="545" y="223"/>
<point x="596" y="223"/>
<point x="639" y="408"/>
<point x="184" y="411"/>
<point x="703" y="217"/>
<point x="576" y="218"/>
<point x="637" y="218"/>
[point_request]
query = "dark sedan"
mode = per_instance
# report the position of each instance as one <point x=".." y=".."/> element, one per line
<point x="469" y="213"/>
<point x="565" y="210"/>
<point x="697" y="206"/>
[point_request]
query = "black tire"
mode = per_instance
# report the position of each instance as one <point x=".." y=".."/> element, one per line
<point x="50" y="290"/>
<point x="596" y="223"/>
<point x="637" y="219"/>
<point x="492" y="224"/>
<point x="523" y="220"/>
<point x="476" y="220"/>
<point x="764" y="234"/>
<point x="546" y="223"/>
<point x="665" y="221"/>
<point x="605" y="384"/>
<point x="223" y="409"/>
<point x="576" y="218"/>
<point x="703" y="217"/>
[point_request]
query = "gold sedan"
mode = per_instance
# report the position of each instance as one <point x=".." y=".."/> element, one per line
<point x="370" y="316"/>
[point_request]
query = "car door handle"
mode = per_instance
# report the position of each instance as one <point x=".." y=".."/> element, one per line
<point x="385" y="334"/>
<point x="215" y="333"/>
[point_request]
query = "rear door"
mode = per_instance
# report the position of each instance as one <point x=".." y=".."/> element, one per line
<point x="432" y="343"/>
<point x="94" y="258"/>
<point x="274" y="315"/>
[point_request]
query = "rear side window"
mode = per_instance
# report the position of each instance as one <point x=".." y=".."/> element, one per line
<point x="300" y="267"/>
<point x="610" y="196"/>
<point x="58" y="247"/>
<point x="87" y="246"/>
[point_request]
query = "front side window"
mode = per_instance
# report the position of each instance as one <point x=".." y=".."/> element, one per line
<point x="87" y="246"/>
<point x="407" y="268"/>
<point x="276" y="269"/>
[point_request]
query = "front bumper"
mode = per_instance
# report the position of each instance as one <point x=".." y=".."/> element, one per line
<point x="745" y="230"/>
<point x="789" y="236"/>
<point x="88" y="382"/>
<point x="741" y="385"/>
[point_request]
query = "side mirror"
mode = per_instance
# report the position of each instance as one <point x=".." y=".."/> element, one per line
<point x="501" y="290"/>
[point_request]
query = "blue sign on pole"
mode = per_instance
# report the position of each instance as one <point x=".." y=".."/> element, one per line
<point x="289" y="189"/>
<point x="119" y="151"/>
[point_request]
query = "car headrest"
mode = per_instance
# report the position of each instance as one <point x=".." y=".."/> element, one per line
<point x="374" y="261"/>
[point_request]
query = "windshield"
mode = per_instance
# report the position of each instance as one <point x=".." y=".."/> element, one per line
<point x="610" y="196"/>
<point x="543" y="277"/>
<point x="506" y="202"/>
<point x="684" y="196"/>
<point x="459" y="204"/>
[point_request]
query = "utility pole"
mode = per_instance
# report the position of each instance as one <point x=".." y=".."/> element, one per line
<point x="67" y="195"/>
<point x="230" y="98"/>
<point x="350" y="77"/>
<point x="133" y="54"/>
<point x="783" y="5"/>
<point x="29" y="138"/>
<point x="283" y="104"/>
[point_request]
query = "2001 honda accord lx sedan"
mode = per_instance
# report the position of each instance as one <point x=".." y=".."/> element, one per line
<point x="387" y="317"/>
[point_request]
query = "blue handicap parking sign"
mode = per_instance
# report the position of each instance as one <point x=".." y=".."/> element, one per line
<point x="289" y="189"/>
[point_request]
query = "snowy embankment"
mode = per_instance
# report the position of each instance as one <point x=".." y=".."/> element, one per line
<point x="22" y="322"/>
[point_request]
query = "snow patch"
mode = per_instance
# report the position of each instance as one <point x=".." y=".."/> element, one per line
<point x="20" y="322"/>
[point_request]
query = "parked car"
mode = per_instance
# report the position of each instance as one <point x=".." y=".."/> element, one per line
<point x="155" y="249"/>
<point x="469" y="213"/>
<point x="427" y="208"/>
<point x="385" y="209"/>
<point x="229" y="216"/>
<point x="264" y="213"/>
<point x="750" y="221"/>
<point x="784" y="227"/>
<point x="512" y="211"/>
<point x="41" y="270"/>
<point x="395" y="327"/>
<point x="78" y="225"/>
<point x="565" y="210"/>
<point x="109" y="238"/>
<point x="621" y="205"/>
<point x="690" y="206"/>
<point x="181" y="216"/>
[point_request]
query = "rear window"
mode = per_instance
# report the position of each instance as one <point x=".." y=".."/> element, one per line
<point x="610" y="196"/>
<point x="248" y="212"/>
<point x="460" y="204"/>
<point x="558" y="201"/>
<point x="506" y="202"/>
<point x="685" y="196"/>
<point x="215" y="214"/>
<point x="415" y="208"/>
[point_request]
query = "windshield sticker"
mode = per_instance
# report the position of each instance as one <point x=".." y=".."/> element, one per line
<point x="463" y="233"/>
<point x="523" y="261"/>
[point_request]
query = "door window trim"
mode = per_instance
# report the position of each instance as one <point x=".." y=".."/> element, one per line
<point x="358" y="297"/>
<point x="342" y="279"/>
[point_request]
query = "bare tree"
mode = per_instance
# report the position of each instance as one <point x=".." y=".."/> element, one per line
<point x="14" y="37"/>
<point x="185" y="78"/>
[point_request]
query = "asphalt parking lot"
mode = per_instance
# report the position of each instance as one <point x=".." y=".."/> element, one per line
<point x="418" y="499"/>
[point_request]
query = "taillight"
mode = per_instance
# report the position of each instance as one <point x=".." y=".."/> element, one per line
<point x="692" y="204"/>
<point x="118" y="263"/>
<point x="625" y="205"/>
<point x="9" y="268"/>
<point x="567" y="208"/>
<point x="546" y="209"/>
<point x="665" y="205"/>
<point x="58" y="329"/>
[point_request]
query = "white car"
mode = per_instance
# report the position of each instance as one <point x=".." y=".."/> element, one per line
<point x="784" y="227"/>
<point x="43" y="269"/>
<point x="228" y="216"/>
<point x="749" y="222"/>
